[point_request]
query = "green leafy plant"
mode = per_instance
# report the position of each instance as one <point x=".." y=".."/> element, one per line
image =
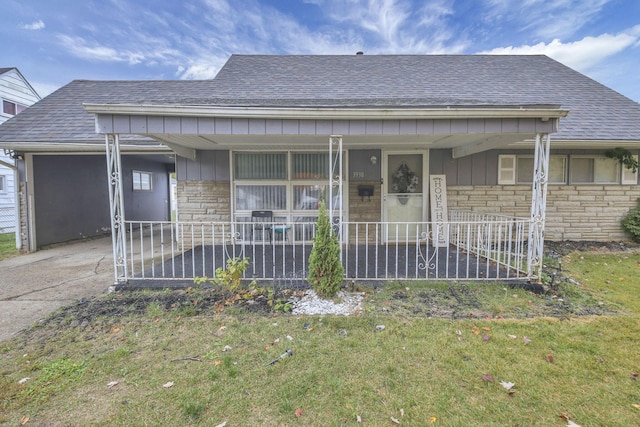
<point x="631" y="223"/>
<point x="282" y="305"/>
<point x="230" y="278"/>
<point x="326" y="272"/>
<point x="624" y="156"/>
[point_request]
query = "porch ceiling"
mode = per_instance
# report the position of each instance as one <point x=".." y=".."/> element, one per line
<point x="459" y="142"/>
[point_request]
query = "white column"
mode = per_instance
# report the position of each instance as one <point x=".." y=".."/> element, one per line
<point x="116" y="207"/>
<point x="538" y="205"/>
<point x="335" y="181"/>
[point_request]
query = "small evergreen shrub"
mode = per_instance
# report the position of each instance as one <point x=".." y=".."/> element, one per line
<point x="326" y="272"/>
<point x="631" y="223"/>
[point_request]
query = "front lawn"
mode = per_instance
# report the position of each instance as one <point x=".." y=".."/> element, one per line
<point x="171" y="363"/>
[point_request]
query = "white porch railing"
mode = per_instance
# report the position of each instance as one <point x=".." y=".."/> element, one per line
<point x="480" y="247"/>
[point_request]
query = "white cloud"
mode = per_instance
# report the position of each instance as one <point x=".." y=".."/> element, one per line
<point x="397" y="26"/>
<point x="546" y="19"/>
<point x="36" y="25"/>
<point x="582" y="54"/>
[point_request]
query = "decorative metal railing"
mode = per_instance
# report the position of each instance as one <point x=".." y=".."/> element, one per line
<point x="478" y="247"/>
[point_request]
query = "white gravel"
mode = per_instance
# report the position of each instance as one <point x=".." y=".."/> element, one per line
<point x="347" y="303"/>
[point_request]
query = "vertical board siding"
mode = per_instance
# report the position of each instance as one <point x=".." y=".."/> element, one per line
<point x="108" y="123"/>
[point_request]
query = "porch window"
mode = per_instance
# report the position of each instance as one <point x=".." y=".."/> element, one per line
<point x="518" y="169"/>
<point x="291" y="184"/>
<point x="557" y="169"/>
<point x="594" y="170"/>
<point x="142" y="181"/>
<point x="3" y="185"/>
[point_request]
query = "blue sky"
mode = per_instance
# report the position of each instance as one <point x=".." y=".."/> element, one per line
<point x="53" y="42"/>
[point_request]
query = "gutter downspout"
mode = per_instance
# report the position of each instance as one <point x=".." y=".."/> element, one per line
<point x="16" y="200"/>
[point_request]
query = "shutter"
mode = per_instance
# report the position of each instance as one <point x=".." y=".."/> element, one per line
<point x="507" y="169"/>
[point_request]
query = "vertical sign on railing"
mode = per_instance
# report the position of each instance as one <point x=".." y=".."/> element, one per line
<point x="439" y="217"/>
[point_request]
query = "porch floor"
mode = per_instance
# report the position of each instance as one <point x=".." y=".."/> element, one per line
<point x="286" y="265"/>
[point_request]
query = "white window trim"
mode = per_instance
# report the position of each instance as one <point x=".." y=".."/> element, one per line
<point x="553" y="156"/>
<point x="289" y="182"/>
<point x="16" y="105"/>
<point x="594" y="156"/>
<point x="133" y="182"/>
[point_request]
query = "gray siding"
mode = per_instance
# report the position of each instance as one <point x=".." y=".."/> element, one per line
<point x="156" y="125"/>
<point x="71" y="195"/>
<point x="209" y="166"/>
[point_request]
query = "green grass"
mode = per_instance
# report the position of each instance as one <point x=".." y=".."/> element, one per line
<point x="413" y="370"/>
<point x="8" y="245"/>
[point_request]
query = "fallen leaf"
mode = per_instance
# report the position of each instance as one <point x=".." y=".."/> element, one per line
<point x="513" y="337"/>
<point x="217" y="362"/>
<point x="572" y="424"/>
<point x="564" y="416"/>
<point x="486" y="328"/>
<point x="395" y="421"/>
<point x="488" y="377"/>
<point x="168" y="385"/>
<point x="507" y="385"/>
<point x="112" y="384"/>
<point x="298" y="412"/>
<point x="24" y="380"/>
<point x="227" y="348"/>
<point x="222" y="424"/>
<point x="24" y="420"/>
<point x="358" y="418"/>
<point x="114" y="330"/>
<point x="459" y="332"/>
<point x="526" y="340"/>
<point x="289" y="337"/>
<point x="634" y="375"/>
<point x="635" y="405"/>
<point x="549" y="358"/>
<point x="401" y="412"/>
<point x="485" y="337"/>
<point x="433" y="420"/>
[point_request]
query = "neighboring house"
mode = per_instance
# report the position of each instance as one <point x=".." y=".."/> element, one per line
<point x="16" y="94"/>
<point x="257" y="137"/>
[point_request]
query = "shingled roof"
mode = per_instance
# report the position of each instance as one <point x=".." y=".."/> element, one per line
<point x="348" y="81"/>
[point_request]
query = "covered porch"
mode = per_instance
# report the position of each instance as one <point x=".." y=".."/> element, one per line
<point x="478" y="247"/>
<point x="443" y="245"/>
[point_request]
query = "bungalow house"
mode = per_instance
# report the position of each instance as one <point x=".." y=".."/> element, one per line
<point x="444" y="166"/>
<point x="16" y="94"/>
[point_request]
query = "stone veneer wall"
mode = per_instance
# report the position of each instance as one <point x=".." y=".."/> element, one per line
<point x="361" y="209"/>
<point x="204" y="201"/>
<point x="574" y="212"/>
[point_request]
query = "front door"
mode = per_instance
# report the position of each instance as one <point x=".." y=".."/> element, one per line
<point x="404" y="199"/>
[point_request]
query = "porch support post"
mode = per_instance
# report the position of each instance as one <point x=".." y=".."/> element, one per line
<point x="116" y="208"/>
<point x="538" y="205"/>
<point x="335" y="182"/>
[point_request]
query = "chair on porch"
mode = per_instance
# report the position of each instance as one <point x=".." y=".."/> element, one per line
<point x="261" y="221"/>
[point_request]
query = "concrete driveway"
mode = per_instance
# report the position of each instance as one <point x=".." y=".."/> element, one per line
<point x="34" y="285"/>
